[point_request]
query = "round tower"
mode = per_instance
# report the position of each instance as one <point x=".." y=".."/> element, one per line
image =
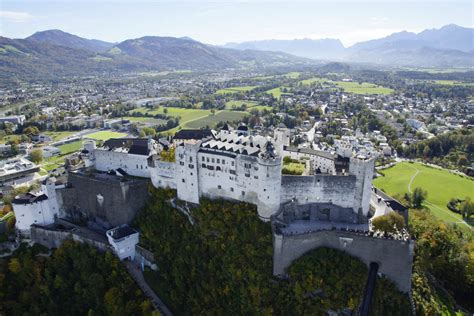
<point x="269" y="174"/>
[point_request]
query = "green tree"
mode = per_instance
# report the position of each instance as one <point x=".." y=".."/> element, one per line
<point x="36" y="155"/>
<point x="389" y="223"/>
<point x="418" y="197"/>
<point x="467" y="208"/>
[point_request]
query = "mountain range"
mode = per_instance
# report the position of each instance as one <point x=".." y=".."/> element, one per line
<point x="448" y="46"/>
<point x="54" y="53"/>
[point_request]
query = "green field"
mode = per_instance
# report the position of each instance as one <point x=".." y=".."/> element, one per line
<point x="440" y="184"/>
<point x="452" y="83"/>
<point x="235" y="89"/>
<point x="250" y="105"/>
<point x="212" y="120"/>
<point x="310" y="81"/>
<point x="184" y="114"/>
<point x="105" y="135"/>
<point x="144" y="119"/>
<point x="70" y="147"/>
<point x="363" y="88"/>
<point x="56" y="136"/>
<point x="277" y="92"/>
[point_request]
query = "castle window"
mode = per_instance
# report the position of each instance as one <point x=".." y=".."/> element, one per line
<point x="233" y="163"/>
<point x="191" y="173"/>
<point x="255" y="168"/>
<point x="243" y="193"/>
<point x="210" y="167"/>
<point x="181" y="163"/>
<point x="223" y="161"/>
<point x="207" y="159"/>
<point x="218" y="168"/>
<point x="255" y="177"/>
<point x="137" y="166"/>
<point x="232" y="172"/>
<point x="190" y="159"/>
<point x="247" y="175"/>
<point x="203" y="159"/>
<point x="203" y="165"/>
<point x="182" y="180"/>
<point x="213" y="160"/>
<point x="264" y="190"/>
<point x="218" y="160"/>
<point x="219" y="187"/>
<point x="231" y="189"/>
<point x="191" y="166"/>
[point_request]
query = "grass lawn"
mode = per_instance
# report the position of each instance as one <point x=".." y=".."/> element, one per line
<point x="69" y="148"/>
<point x="212" y="120"/>
<point x="364" y="88"/>
<point x="440" y="184"/>
<point x="56" y="136"/>
<point x="235" y="89"/>
<point x="105" y="135"/>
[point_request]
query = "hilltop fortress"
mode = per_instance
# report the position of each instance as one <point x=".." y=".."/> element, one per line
<point x="330" y="204"/>
<point x="238" y="166"/>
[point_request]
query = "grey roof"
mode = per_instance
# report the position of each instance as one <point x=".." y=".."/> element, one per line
<point x="310" y="151"/>
<point x="238" y="144"/>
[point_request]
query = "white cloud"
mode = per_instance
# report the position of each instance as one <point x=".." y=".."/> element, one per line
<point x="15" y="16"/>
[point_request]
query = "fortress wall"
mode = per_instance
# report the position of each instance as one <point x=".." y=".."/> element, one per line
<point x="135" y="165"/>
<point x="163" y="175"/>
<point x="54" y="238"/>
<point x="107" y="199"/>
<point x="339" y="190"/>
<point x="394" y="257"/>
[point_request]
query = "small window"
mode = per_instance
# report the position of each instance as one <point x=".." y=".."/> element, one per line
<point x="243" y="193"/>
<point x="219" y="187"/>
<point x="232" y="172"/>
<point x="203" y="165"/>
<point x="182" y="180"/>
<point x="203" y="159"/>
<point x="218" y="168"/>
<point x="207" y="159"/>
<point x="223" y="161"/>
<point x="233" y="163"/>
<point x="218" y="160"/>
<point x="231" y="189"/>
<point x="190" y="159"/>
<point x="255" y="177"/>
<point x="247" y="175"/>
<point x="213" y="160"/>
<point x="191" y="166"/>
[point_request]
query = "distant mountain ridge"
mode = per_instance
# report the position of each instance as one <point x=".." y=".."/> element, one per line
<point x="60" y="38"/>
<point x="52" y="54"/>
<point x="316" y="49"/>
<point x="448" y="46"/>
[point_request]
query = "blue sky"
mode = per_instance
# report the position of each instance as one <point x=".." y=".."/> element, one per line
<point x="224" y="21"/>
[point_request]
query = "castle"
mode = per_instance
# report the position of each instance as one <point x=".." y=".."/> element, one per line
<point x="238" y="166"/>
<point x="331" y="204"/>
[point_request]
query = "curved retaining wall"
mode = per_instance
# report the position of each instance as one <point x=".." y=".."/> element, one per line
<point x="395" y="257"/>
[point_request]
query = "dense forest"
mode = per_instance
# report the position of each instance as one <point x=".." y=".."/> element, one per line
<point x="74" y="280"/>
<point x="222" y="264"/>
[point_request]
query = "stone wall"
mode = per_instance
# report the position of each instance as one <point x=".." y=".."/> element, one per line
<point x="53" y="238"/>
<point x="394" y="257"/>
<point x="103" y="198"/>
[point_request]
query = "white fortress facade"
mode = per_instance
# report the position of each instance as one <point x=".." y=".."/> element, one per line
<point x="249" y="169"/>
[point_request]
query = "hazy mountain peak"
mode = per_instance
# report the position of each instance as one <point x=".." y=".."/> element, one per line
<point x="61" y="38"/>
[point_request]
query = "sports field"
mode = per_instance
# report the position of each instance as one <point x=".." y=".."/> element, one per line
<point x="105" y="135"/>
<point x="363" y="88"/>
<point x="440" y="184"/>
<point x="235" y="89"/>
<point x="56" y="136"/>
